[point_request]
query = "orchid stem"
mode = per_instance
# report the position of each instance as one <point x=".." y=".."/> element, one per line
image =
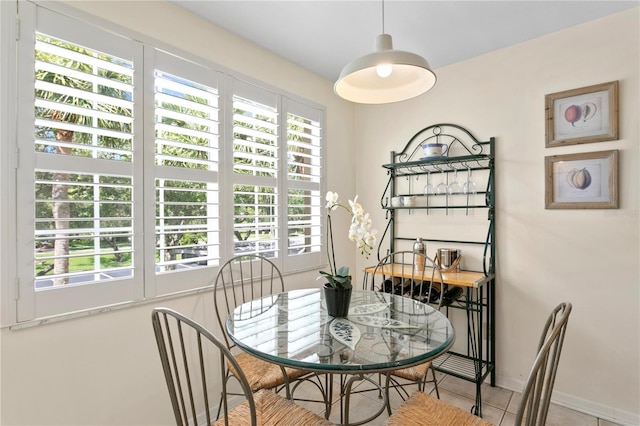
<point x="331" y="255"/>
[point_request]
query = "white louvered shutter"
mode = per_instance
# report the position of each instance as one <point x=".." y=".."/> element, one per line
<point x="186" y="158"/>
<point x="255" y="172"/>
<point x="78" y="177"/>
<point x="123" y="194"/>
<point x="304" y="170"/>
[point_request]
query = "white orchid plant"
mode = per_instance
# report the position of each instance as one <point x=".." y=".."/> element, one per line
<point x="360" y="232"/>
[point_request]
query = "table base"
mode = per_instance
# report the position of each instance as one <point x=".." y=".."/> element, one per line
<point x="346" y="390"/>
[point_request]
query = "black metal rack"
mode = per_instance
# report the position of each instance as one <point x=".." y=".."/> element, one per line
<point x="464" y="153"/>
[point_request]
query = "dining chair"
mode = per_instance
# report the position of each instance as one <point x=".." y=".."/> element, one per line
<point x="194" y="361"/>
<point x="422" y="409"/>
<point x="242" y="279"/>
<point x="417" y="277"/>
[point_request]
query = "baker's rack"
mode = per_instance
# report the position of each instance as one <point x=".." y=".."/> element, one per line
<point x="464" y="153"/>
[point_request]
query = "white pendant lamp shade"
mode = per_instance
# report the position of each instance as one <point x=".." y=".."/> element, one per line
<point x="385" y="75"/>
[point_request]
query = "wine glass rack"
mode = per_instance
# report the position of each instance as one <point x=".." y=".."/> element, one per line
<point x="464" y="153"/>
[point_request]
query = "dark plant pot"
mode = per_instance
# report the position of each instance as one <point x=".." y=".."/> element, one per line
<point x="337" y="300"/>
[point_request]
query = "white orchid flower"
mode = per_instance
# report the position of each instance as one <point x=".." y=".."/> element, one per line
<point x="332" y="200"/>
<point x="356" y="209"/>
<point x="360" y="230"/>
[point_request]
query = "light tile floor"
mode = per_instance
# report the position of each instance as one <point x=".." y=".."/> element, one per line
<point x="498" y="405"/>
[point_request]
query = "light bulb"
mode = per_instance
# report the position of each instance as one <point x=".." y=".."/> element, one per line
<point x="384" y="70"/>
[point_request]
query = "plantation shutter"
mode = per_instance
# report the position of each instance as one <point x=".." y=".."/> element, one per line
<point x="256" y="165"/>
<point x="119" y="173"/>
<point x="304" y="197"/>
<point x="186" y="188"/>
<point x="80" y="168"/>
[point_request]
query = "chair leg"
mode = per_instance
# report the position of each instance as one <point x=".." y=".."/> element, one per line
<point x="222" y="394"/>
<point x="286" y="383"/>
<point x="435" y="382"/>
<point x="386" y="389"/>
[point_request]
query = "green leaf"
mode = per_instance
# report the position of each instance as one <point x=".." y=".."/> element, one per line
<point x="343" y="271"/>
<point x="341" y="279"/>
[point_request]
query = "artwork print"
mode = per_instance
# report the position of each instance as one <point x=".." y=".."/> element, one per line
<point x="586" y="180"/>
<point x="584" y="115"/>
<point x="580" y="180"/>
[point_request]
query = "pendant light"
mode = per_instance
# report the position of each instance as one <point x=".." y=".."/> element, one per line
<point x="386" y="75"/>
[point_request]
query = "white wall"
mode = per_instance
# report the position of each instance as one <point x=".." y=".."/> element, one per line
<point x="588" y="257"/>
<point x="104" y="369"/>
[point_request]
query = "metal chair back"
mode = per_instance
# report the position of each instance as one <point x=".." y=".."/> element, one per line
<point x="188" y="354"/>
<point x="406" y="273"/>
<point x="242" y="279"/>
<point x="536" y="396"/>
<point x="418" y="277"/>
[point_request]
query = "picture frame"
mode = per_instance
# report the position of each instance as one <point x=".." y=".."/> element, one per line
<point x="584" y="115"/>
<point x="582" y="181"/>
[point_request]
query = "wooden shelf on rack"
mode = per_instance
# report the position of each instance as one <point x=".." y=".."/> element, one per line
<point x="462" y="278"/>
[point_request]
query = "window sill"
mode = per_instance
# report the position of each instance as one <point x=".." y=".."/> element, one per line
<point x="73" y="315"/>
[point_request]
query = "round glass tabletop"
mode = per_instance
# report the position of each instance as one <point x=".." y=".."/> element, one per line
<point x="381" y="332"/>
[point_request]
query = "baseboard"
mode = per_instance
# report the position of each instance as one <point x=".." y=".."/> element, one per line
<point x="591" y="408"/>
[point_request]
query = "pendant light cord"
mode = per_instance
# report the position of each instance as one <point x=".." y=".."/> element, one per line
<point x="382" y="16"/>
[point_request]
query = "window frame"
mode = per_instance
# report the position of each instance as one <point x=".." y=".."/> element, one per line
<point x="20" y="305"/>
<point x="285" y="104"/>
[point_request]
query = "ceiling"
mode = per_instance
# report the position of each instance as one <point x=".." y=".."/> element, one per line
<point x="324" y="35"/>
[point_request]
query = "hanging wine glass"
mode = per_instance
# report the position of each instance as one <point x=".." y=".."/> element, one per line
<point x="442" y="186"/>
<point x="469" y="186"/>
<point x="455" y="187"/>
<point x="428" y="188"/>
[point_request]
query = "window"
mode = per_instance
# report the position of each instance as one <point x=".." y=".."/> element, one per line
<point x="187" y="139"/>
<point x="186" y="216"/>
<point x="277" y="166"/>
<point x="304" y="195"/>
<point x="83" y="123"/>
<point x="79" y="175"/>
<point x="121" y="182"/>
<point x="256" y="162"/>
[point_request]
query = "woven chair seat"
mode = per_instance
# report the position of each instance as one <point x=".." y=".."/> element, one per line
<point x="424" y="410"/>
<point x="273" y="410"/>
<point x="264" y="375"/>
<point x="414" y="373"/>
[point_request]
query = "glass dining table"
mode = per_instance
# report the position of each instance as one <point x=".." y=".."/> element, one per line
<point x="382" y="332"/>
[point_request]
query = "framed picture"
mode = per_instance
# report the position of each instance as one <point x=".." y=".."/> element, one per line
<point x="582" y="181"/>
<point x="585" y="115"/>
